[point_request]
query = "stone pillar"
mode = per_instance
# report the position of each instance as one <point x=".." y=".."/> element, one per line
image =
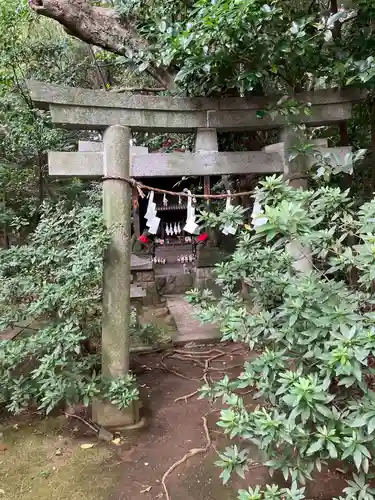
<point x="302" y="258"/>
<point x="206" y="140"/>
<point x="298" y="166"/>
<point x="117" y="275"/>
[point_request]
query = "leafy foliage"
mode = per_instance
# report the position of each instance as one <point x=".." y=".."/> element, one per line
<point x="316" y="334"/>
<point x="252" y="45"/>
<point x="143" y="333"/>
<point x="54" y="283"/>
<point x="30" y="47"/>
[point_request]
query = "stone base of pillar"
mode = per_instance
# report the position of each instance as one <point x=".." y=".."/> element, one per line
<point x="109" y="416"/>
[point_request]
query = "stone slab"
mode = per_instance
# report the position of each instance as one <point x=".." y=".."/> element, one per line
<point x="90" y="164"/>
<point x="9" y="333"/>
<point x="82" y="108"/>
<point x="145" y="276"/>
<point x="84" y="117"/>
<point x="189" y="328"/>
<point x="172" y="284"/>
<point x="43" y="94"/>
<point x="140" y="263"/>
<point x="23" y="327"/>
<point x="209" y="256"/>
<point x="240" y="120"/>
<point x="205" y="279"/>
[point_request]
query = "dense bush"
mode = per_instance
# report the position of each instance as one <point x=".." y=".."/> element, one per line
<point x="54" y="284"/>
<point x="315" y="331"/>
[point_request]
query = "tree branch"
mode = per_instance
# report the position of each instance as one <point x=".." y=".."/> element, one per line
<point x="100" y="26"/>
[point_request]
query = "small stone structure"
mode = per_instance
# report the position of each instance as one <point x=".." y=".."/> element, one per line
<point x="143" y="275"/>
<point x="207" y="257"/>
<point x="174" y="283"/>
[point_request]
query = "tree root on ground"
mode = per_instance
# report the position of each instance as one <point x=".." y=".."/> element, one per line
<point x="189" y="454"/>
<point x="186" y="397"/>
<point x="89" y="424"/>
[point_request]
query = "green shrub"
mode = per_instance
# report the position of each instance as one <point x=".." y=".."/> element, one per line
<point x="54" y="283"/>
<point x="316" y="334"/>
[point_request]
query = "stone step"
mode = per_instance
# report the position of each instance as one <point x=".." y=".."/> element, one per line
<point x="189" y="328"/>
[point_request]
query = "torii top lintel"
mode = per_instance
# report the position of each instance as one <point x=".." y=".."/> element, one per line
<point x="94" y="109"/>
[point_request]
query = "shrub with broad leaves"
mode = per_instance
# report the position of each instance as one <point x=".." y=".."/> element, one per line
<point x="316" y="333"/>
<point x="53" y="284"/>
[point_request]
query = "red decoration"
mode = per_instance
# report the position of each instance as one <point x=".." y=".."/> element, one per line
<point x="144" y="239"/>
<point x="203" y="237"/>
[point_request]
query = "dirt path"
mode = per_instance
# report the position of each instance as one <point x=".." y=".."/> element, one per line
<point x="175" y="427"/>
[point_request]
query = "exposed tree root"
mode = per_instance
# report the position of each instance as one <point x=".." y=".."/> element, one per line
<point x="189" y="454"/>
<point x="168" y="353"/>
<point x="186" y="397"/>
<point x="92" y="426"/>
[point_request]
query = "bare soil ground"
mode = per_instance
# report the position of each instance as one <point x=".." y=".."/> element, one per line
<point x="44" y="459"/>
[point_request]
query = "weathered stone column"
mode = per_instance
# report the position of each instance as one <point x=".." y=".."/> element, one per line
<point x="302" y="258"/>
<point x="208" y="256"/>
<point x="301" y="255"/>
<point x="117" y="274"/>
<point x="117" y="218"/>
<point x="206" y="140"/>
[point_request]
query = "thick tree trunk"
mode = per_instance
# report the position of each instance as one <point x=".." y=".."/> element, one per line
<point x="100" y="26"/>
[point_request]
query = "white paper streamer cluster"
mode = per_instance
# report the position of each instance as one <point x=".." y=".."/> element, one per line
<point x="257" y="215"/>
<point x="152" y="220"/>
<point x="191" y="226"/>
<point x="229" y="228"/>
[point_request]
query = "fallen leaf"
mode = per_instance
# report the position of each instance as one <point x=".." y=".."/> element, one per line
<point x="86" y="446"/>
<point x="146" y="490"/>
<point x="2" y="492"/>
<point x="116" y="441"/>
<point x="3" y="447"/>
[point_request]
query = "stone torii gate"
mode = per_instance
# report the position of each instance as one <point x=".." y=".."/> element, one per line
<point x="118" y="116"/>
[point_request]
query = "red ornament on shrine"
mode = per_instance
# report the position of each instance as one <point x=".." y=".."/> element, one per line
<point x="202" y="237"/>
<point x="144" y="239"/>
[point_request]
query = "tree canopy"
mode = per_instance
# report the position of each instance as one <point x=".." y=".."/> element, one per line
<point x="209" y="46"/>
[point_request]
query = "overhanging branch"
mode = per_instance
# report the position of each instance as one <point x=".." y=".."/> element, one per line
<point x="100" y="26"/>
